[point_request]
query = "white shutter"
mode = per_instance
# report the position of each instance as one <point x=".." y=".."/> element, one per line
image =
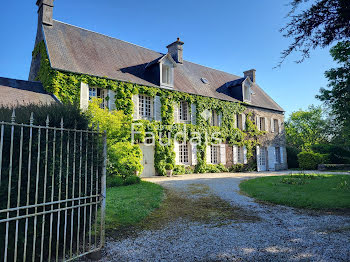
<point x="193" y="114"/>
<point x="258" y="157"/>
<point x="266" y="125"/>
<point x="282" y="154"/>
<point x="177" y="152"/>
<point x="135" y="100"/>
<point x="208" y="155"/>
<point x="235" y="154"/>
<point x="176" y="113"/>
<point x="272" y="126"/>
<point x="243" y="122"/>
<point x="279" y="126"/>
<point x="84" y="96"/>
<point x="271" y="157"/>
<point x="157" y="109"/>
<point x="194" y="154"/>
<point x="111" y="100"/>
<point x="223" y="154"/>
<point x="219" y="119"/>
<point x="245" y="155"/>
<point x="257" y="121"/>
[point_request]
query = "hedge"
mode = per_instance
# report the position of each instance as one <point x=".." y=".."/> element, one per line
<point x="309" y="160"/>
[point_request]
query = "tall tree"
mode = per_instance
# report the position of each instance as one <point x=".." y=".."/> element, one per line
<point x="320" y="25"/>
<point x="337" y="95"/>
<point x="307" y="128"/>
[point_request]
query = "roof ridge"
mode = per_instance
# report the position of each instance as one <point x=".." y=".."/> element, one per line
<point x="160" y="53"/>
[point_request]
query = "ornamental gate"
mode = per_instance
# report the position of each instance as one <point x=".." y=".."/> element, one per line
<point x="52" y="191"/>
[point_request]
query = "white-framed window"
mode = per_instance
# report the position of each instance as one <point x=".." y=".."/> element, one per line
<point x="214" y="154"/>
<point x="184" y="153"/>
<point x="145" y="105"/>
<point x="215" y="118"/>
<point x="262" y="124"/>
<point x="276" y="126"/>
<point x="247" y="91"/>
<point x="184" y="111"/>
<point x="166" y="74"/>
<point x="240" y="155"/>
<point x="239" y="120"/>
<point x="262" y="157"/>
<point x="95" y="92"/>
<point x="278" y="155"/>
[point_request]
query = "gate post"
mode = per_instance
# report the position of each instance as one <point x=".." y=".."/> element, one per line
<point x="103" y="189"/>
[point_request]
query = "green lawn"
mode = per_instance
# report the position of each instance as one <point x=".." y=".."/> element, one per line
<point x="128" y="205"/>
<point x="329" y="192"/>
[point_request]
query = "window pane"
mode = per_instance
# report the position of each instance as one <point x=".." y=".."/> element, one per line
<point x="183" y="111"/>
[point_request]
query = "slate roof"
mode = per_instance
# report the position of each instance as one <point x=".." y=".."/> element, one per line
<point x="15" y="92"/>
<point x="78" y="50"/>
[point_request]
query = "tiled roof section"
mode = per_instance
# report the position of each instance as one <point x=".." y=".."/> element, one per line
<point x="77" y="50"/>
<point x="18" y="92"/>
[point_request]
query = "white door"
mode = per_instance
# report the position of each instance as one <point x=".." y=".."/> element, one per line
<point x="262" y="159"/>
<point x="148" y="161"/>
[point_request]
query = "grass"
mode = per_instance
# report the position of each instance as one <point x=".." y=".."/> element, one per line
<point x="129" y="205"/>
<point x="320" y="192"/>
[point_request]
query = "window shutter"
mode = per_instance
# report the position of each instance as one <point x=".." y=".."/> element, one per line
<point x="235" y="154"/>
<point x="243" y="122"/>
<point x="223" y="154"/>
<point x="279" y="126"/>
<point x="257" y="121"/>
<point x="235" y="124"/>
<point x="272" y="157"/>
<point x="208" y="155"/>
<point x="193" y="114"/>
<point x="282" y="154"/>
<point x="176" y="113"/>
<point x="111" y="100"/>
<point x="245" y="155"/>
<point x="84" y="96"/>
<point x="258" y="157"/>
<point x="157" y="109"/>
<point x="135" y="100"/>
<point x="220" y="119"/>
<point x="194" y="154"/>
<point x="272" y="126"/>
<point x="177" y="152"/>
<point x="266" y="125"/>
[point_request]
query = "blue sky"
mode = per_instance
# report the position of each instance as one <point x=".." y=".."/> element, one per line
<point x="228" y="35"/>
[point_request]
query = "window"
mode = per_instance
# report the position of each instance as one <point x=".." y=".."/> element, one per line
<point x="183" y="111"/>
<point x="145" y="106"/>
<point x="278" y="155"/>
<point x="262" y="124"/>
<point x="247" y="91"/>
<point x="166" y="77"/>
<point x="98" y="93"/>
<point x="262" y="157"/>
<point x="184" y="153"/>
<point x="239" y="120"/>
<point x="276" y="126"/>
<point x="240" y="155"/>
<point x="214" y="154"/>
<point x="215" y="118"/>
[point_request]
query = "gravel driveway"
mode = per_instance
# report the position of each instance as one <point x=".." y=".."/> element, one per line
<point x="280" y="234"/>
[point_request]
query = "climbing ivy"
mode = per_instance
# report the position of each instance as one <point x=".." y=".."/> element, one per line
<point x="66" y="87"/>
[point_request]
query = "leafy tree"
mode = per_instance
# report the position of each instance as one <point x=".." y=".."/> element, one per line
<point x="320" y="25"/>
<point x="337" y="96"/>
<point x="307" y="128"/>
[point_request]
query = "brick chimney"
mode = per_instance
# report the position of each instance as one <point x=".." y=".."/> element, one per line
<point x="250" y="73"/>
<point x="45" y="10"/>
<point x="176" y="51"/>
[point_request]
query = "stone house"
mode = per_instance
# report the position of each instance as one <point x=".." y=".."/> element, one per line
<point x="74" y="50"/>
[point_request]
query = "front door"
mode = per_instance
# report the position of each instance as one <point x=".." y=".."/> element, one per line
<point x="148" y="161"/>
<point x="262" y="159"/>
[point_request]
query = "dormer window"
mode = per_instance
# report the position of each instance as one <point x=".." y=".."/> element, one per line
<point x="166" y="65"/>
<point x="247" y="92"/>
<point x="166" y="74"/>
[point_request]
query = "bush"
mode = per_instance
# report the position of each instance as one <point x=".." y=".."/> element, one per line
<point x="310" y="160"/>
<point x="179" y="170"/>
<point x="292" y="157"/>
<point x="169" y="166"/>
<point x="114" y="181"/>
<point x="124" y="159"/>
<point x="222" y="168"/>
<point x="237" y="168"/>
<point x="132" y="180"/>
<point x="337" y="154"/>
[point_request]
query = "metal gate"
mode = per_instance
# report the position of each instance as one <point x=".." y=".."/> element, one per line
<point x="52" y="191"/>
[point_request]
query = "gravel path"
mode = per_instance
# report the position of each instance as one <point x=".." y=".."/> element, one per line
<point x="282" y="234"/>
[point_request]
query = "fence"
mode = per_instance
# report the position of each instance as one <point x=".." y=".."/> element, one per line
<point x="52" y="191"/>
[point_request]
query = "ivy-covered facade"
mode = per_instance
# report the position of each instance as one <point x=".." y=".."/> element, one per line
<point x="204" y="132"/>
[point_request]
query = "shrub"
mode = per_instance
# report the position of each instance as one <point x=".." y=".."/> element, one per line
<point x="222" y="168"/>
<point x="337" y="154"/>
<point x="292" y="157"/>
<point x="237" y="168"/>
<point x="179" y="170"/>
<point x="310" y="160"/>
<point x="132" y="180"/>
<point x="169" y="166"/>
<point x="114" y="181"/>
<point x="189" y="170"/>
<point x="124" y="159"/>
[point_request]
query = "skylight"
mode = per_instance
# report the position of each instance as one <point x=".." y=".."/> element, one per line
<point x="204" y="80"/>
